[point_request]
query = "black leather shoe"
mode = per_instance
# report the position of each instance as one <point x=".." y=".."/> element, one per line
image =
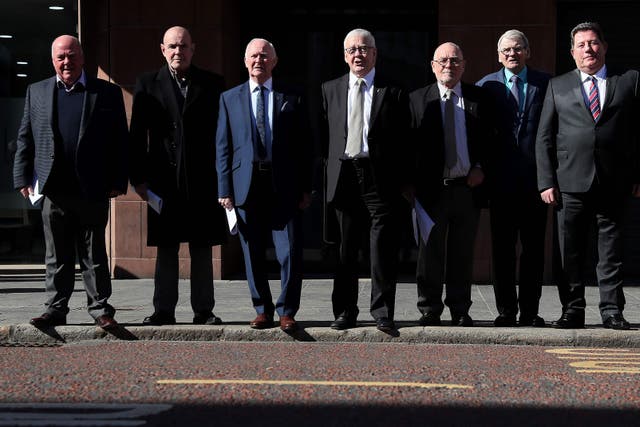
<point x="464" y="320"/>
<point x="505" y="321"/>
<point x="159" y="319"/>
<point x="343" y="322"/>
<point x="430" y="319"/>
<point x="206" y="319"/>
<point x="616" y="321"/>
<point x="535" y="321"/>
<point x="574" y="320"/>
<point x="385" y="324"/>
<point x="47" y="320"/>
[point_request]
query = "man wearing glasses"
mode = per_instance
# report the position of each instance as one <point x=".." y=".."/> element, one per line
<point x="450" y="130"/>
<point x="364" y="127"/>
<point x="516" y="207"/>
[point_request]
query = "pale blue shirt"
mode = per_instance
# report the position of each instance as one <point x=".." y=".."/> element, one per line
<point x="268" y="99"/>
<point x="522" y="89"/>
<point x="463" y="164"/>
<point x="82" y="79"/>
<point x="368" y="96"/>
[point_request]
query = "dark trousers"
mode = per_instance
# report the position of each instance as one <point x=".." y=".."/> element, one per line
<point x="360" y="210"/>
<point x="74" y="225"/>
<point x="262" y="219"/>
<point x="577" y="214"/>
<point x="520" y="215"/>
<point x="448" y="255"/>
<point x="165" y="293"/>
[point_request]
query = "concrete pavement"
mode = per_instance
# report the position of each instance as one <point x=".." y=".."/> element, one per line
<point x="22" y="298"/>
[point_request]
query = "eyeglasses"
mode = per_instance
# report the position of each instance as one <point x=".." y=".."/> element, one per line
<point x="509" y="50"/>
<point x="453" y="61"/>
<point x="363" y="50"/>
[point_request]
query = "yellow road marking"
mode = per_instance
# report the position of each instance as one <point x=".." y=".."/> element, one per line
<point x="320" y="383"/>
<point x="592" y="352"/>
<point x="599" y="360"/>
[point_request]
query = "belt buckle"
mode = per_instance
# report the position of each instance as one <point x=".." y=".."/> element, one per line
<point x="264" y="166"/>
<point x="448" y="181"/>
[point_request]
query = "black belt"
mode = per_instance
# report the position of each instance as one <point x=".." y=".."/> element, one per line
<point x="262" y="166"/>
<point x="461" y="180"/>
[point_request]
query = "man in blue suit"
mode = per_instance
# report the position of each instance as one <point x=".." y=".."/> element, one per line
<point x="515" y="205"/>
<point x="264" y="172"/>
<point x="73" y="137"/>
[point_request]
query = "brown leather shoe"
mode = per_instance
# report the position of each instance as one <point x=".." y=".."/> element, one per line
<point x="288" y="323"/>
<point x="106" y="322"/>
<point x="47" y="320"/>
<point x="262" y="321"/>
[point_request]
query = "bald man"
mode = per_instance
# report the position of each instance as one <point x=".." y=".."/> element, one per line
<point x="173" y="156"/>
<point x="73" y="141"/>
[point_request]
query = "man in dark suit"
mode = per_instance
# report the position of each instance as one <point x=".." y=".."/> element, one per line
<point x="587" y="154"/>
<point x="450" y="129"/>
<point x="73" y="140"/>
<point x="173" y="156"/>
<point x="365" y="131"/>
<point x="514" y="201"/>
<point x="264" y="172"/>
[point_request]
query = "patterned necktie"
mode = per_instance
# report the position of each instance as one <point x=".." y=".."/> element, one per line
<point x="515" y="90"/>
<point x="356" y="120"/>
<point x="451" y="152"/>
<point x="260" y="124"/>
<point x="594" y="99"/>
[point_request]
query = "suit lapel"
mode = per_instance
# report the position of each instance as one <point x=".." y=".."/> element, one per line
<point x="577" y="92"/>
<point x="278" y="102"/>
<point x="166" y="83"/>
<point x="87" y="108"/>
<point x="612" y="81"/>
<point x="376" y="103"/>
<point x="342" y="96"/>
<point x="50" y="92"/>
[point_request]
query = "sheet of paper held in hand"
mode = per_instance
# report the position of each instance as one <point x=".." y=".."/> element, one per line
<point x="154" y="201"/>
<point x="422" y="223"/>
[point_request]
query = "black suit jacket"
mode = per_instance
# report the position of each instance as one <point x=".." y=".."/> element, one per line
<point x="572" y="150"/>
<point x="389" y="146"/>
<point x="513" y="155"/>
<point x="173" y="151"/>
<point x="428" y="139"/>
<point x="101" y="153"/>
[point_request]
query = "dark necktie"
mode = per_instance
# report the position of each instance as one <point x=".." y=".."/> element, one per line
<point x="594" y="99"/>
<point x="260" y="124"/>
<point x="515" y="90"/>
<point x="451" y="152"/>
<point x="356" y="121"/>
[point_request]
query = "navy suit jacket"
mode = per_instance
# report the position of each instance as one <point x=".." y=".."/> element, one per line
<point x="101" y="153"/>
<point x="572" y="151"/>
<point x="428" y="139"/>
<point x="513" y="155"/>
<point x="291" y="146"/>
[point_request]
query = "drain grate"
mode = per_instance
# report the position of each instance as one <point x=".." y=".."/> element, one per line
<point x="31" y="344"/>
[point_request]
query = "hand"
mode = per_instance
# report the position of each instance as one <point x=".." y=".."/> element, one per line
<point x="550" y="196"/>
<point x="141" y="190"/>
<point x="26" y="191"/>
<point x="226" y="202"/>
<point x="475" y="177"/>
<point x="305" y="202"/>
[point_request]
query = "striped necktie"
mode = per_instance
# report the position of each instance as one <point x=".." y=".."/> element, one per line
<point x="594" y="99"/>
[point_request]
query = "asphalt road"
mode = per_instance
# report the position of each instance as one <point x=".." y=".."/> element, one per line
<point x="157" y="383"/>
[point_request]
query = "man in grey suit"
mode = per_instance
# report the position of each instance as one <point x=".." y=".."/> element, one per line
<point x="587" y="154"/>
<point x="514" y="201"/>
<point x="73" y="138"/>
<point x="364" y="129"/>
<point x="264" y="173"/>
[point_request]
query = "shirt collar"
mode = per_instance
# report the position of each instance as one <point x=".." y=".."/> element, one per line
<point x="368" y="79"/>
<point x="522" y="75"/>
<point x="268" y="84"/>
<point x="601" y="74"/>
<point x="457" y="89"/>
<point x="82" y="80"/>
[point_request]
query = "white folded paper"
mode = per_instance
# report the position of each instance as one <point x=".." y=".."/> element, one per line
<point x="36" y="197"/>
<point x="422" y="223"/>
<point x="154" y="201"/>
<point x="232" y="219"/>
